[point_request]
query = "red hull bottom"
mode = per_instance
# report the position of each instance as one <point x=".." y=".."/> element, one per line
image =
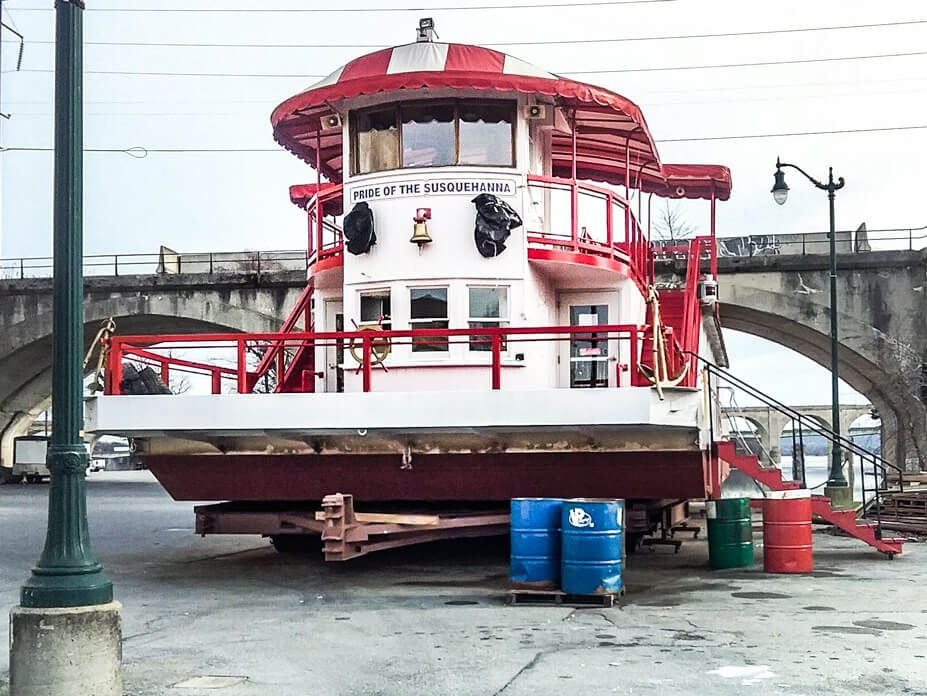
<point x="472" y="477"/>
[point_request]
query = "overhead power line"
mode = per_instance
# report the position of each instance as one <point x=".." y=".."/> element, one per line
<point x="141" y="152"/>
<point x="557" y="42"/>
<point x="745" y="65"/>
<point x="319" y="10"/>
<point x="799" y="61"/>
<point x="791" y="135"/>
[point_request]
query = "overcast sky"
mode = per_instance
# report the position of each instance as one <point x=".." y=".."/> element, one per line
<point x="229" y="201"/>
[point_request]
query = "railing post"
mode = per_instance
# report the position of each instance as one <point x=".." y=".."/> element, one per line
<point x="216" y="381"/>
<point x="166" y="373"/>
<point x="114" y="369"/>
<point x="318" y="227"/>
<point x="496" y="361"/>
<point x="210" y="263"/>
<point x="632" y="363"/>
<point x="610" y="201"/>
<point x="574" y="213"/>
<point x="116" y="264"/>
<point x="242" y="367"/>
<point x="280" y="365"/>
<point x="367" y="368"/>
<point x="22" y="269"/>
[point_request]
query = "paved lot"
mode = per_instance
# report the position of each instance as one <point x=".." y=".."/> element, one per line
<point x="430" y="620"/>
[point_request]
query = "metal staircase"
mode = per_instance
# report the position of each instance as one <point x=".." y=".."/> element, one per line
<point x="864" y="524"/>
<point x="771" y="477"/>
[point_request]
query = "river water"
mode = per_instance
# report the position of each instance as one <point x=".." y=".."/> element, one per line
<point x="816" y="470"/>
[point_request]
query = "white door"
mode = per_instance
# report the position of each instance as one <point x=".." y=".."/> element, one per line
<point x="334" y="354"/>
<point x="588" y="360"/>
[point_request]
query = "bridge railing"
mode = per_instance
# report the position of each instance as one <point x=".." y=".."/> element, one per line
<point x="859" y="241"/>
<point x="164" y="263"/>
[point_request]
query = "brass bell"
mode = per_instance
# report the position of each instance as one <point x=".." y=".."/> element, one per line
<point x="420" y="234"/>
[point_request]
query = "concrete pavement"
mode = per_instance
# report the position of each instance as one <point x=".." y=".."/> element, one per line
<point x="230" y="616"/>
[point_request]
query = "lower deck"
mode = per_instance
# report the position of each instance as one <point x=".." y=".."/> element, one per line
<point x="477" y="445"/>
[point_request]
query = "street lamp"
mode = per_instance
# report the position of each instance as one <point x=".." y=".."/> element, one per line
<point x="780" y="192"/>
<point x="67" y="574"/>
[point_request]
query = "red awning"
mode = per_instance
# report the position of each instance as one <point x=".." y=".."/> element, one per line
<point x="610" y="128"/>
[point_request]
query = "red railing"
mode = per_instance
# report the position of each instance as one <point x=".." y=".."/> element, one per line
<point x="276" y="353"/>
<point x="326" y="238"/>
<point x="575" y="216"/>
<point x="588" y="219"/>
<point x="700" y="249"/>
<point x="150" y="350"/>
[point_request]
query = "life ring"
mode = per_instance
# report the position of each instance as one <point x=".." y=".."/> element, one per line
<point x="379" y="347"/>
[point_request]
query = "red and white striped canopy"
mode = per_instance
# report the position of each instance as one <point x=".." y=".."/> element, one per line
<point x="611" y="134"/>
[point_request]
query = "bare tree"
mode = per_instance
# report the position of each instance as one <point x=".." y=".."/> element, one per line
<point x="671" y="224"/>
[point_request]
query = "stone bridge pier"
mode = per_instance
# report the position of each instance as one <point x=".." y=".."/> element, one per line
<point x="141" y="304"/>
<point x="882" y="320"/>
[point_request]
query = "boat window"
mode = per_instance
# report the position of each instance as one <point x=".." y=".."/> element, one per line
<point x="486" y="134"/>
<point x="428" y="135"/>
<point x="434" y="134"/>
<point x="375" y="309"/>
<point x="376" y="141"/>
<point x="489" y="307"/>
<point x="428" y="310"/>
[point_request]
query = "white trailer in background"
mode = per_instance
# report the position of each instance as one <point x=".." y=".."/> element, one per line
<point x="29" y="458"/>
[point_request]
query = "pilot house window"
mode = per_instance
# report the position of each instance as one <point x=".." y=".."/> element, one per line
<point x="433" y="134"/>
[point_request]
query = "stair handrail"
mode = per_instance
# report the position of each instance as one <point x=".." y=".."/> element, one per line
<point x="792" y="413"/>
<point x="880" y="465"/>
<point x="300" y="309"/>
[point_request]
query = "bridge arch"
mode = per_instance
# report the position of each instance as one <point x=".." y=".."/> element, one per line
<point x="870" y="360"/>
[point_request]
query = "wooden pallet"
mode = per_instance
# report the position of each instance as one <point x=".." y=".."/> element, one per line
<point x="557" y="598"/>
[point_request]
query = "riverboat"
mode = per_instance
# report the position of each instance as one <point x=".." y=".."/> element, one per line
<point x="480" y="319"/>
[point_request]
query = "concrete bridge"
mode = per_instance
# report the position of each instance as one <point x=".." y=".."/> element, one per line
<point x="882" y="322"/>
<point x="782" y="298"/>
<point x="769" y="424"/>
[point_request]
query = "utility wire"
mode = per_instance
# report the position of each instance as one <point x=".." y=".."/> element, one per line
<point x="319" y="10"/>
<point x="141" y="152"/>
<point x="745" y="65"/>
<point x="559" y="42"/>
<point x="789" y="135"/>
<point x="567" y="72"/>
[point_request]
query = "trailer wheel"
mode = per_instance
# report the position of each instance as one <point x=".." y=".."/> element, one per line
<point x="296" y="543"/>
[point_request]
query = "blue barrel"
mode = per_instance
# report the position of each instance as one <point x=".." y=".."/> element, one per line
<point x="591" y="548"/>
<point x="535" y="559"/>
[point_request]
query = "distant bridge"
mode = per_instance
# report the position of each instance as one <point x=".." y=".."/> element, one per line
<point x="769" y="424"/>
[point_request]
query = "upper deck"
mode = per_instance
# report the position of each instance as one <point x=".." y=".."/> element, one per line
<point x="476" y="225"/>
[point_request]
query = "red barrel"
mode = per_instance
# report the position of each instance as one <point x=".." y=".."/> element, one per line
<point x="787" y="532"/>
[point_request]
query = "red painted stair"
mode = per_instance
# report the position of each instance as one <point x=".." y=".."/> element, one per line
<point x="843" y="519"/>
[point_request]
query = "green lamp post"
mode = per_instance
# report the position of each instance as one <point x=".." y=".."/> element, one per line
<point x="67" y="573"/>
<point x="780" y="192"/>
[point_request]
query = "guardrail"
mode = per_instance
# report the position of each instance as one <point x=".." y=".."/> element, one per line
<point x="369" y="348"/>
<point x="595" y="221"/>
<point x="165" y="262"/>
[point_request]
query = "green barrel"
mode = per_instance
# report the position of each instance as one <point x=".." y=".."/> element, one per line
<point x="730" y="537"/>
